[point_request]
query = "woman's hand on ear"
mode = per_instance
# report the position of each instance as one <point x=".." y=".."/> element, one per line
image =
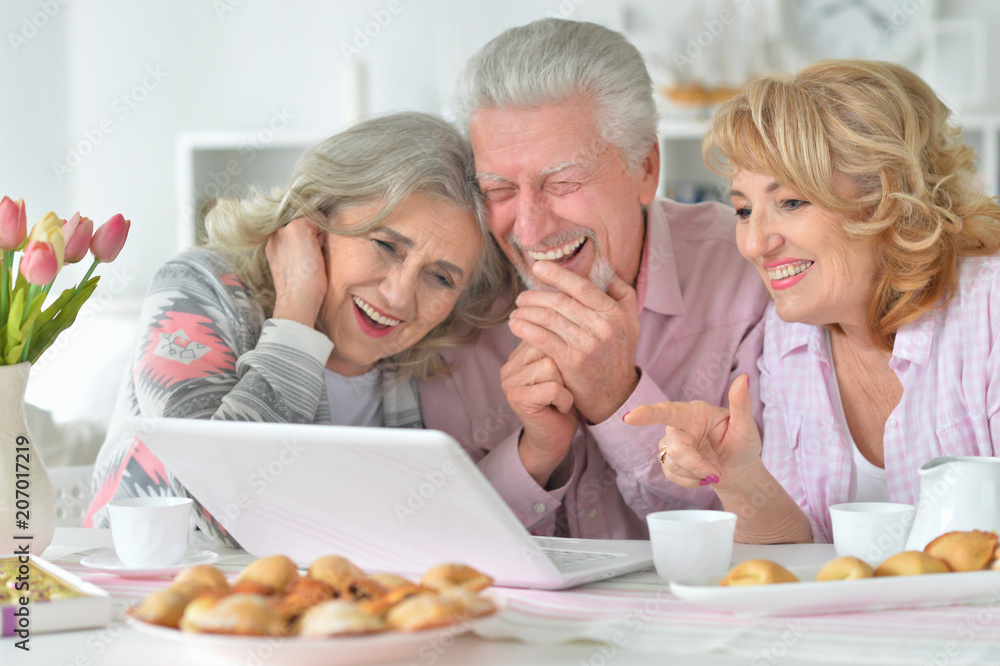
<point x="295" y="254"/>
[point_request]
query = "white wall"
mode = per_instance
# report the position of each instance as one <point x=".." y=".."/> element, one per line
<point x="120" y="79"/>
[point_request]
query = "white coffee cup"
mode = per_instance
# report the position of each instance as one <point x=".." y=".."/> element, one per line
<point x="871" y="531"/>
<point x="691" y="543"/>
<point x="150" y="532"/>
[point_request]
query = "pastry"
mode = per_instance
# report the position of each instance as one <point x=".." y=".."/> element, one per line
<point x="911" y="563"/>
<point x="347" y="580"/>
<point x="337" y="618"/>
<point x="471" y="603"/>
<point x="336" y="598"/>
<point x="758" y="572"/>
<point x="423" y="611"/>
<point x="845" y="568"/>
<point x="335" y="570"/>
<point x="268" y="575"/>
<point x="379" y="605"/>
<point x="445" y="575"/>
<point x="303" y="593"/>
<point x="236" y="614"/>
<point x="390" y="582"/>
<point x="200" y="578"/>
<point x="964" y="551"/>
<point x="163" y="607"/>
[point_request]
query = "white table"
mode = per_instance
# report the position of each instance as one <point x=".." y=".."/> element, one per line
<point x="786" y="641"/>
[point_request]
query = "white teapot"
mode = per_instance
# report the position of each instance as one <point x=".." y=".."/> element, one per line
<point x="956" y="493"/>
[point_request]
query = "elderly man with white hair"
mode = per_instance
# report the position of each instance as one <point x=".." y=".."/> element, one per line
<point x="630" y="298"/>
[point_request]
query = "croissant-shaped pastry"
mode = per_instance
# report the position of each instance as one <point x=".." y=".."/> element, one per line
<point x="446" y="575"/>
<point x="964" y="551"/>
<point x="236" y="614"/>
<point x="911" y="563"/>
<point x="337" y="618"/>
<point x="758" y="572"/>
<point x="845" y="568"/>
<point x="268" y="575"/>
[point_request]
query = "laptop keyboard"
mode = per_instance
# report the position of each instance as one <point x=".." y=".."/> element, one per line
<point x="567" y="558"/>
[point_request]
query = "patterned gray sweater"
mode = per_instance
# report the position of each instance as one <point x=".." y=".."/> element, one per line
<point x="206" y="351"/>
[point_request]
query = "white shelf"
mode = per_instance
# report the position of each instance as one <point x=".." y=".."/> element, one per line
<point x="682" y="128"/>
<point x="213" y="164"/>
<point x="682" y="167"/>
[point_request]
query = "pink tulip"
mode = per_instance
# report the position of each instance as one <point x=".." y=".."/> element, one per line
<point x="110" y="238"/>
<point x="78" y="231"/>
<point x="13" y="224"/>
<point x="39" y="264"/>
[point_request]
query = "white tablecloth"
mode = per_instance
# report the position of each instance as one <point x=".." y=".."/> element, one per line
<point x="628" y="620"/>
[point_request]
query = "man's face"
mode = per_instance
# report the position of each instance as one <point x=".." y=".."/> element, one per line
<point x="555" y="190"/>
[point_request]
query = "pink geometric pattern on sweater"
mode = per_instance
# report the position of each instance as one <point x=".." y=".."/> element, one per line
<point x="183" y="346"/>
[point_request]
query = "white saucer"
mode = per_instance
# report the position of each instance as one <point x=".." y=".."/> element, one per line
<point x="107" y="561"/>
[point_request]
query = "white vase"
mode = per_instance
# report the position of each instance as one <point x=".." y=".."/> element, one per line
<point x="27" y="498"/>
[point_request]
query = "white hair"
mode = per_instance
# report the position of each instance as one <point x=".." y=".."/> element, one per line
<point x="552" y="60"/>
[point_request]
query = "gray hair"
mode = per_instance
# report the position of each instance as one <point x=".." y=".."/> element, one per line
<point x="380" y="161"/>
<point x="551" y="60"/>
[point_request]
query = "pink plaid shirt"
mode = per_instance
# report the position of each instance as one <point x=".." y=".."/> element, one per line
<point x="949" y="365"/>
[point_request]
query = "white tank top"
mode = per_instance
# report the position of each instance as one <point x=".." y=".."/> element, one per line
<point x="868" y="483"/>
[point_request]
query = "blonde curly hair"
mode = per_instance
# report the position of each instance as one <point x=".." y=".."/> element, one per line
<point x="886" y="129"/>
<point x="379" y="161"/>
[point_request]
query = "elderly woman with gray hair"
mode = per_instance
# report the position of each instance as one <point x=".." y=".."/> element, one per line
<point x="322" y="302"/>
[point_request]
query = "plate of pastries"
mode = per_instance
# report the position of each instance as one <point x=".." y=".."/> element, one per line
<point x="333" y="613"/>
<point x="955" y="567"/>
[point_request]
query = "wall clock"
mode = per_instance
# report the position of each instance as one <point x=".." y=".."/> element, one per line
<point x="878" y="29"/>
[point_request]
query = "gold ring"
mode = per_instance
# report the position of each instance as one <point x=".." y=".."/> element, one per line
<point x="662" y="456"/>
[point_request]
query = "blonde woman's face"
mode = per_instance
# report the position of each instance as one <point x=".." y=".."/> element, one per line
<point x="815" y="273"/>
<point x="389" y="287"/>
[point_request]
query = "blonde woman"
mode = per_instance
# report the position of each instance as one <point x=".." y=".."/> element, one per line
<point x="324" y="302"/>
<point x="855" y="201"/>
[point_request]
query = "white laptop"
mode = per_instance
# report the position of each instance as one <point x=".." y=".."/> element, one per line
<point x="388" y="499"/>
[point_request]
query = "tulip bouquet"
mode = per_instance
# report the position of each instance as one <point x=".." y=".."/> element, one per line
<point x="26" y="327"/>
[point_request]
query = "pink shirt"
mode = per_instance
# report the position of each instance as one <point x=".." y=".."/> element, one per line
<point x="701" y="308"/>
<point x="948" y="363"/>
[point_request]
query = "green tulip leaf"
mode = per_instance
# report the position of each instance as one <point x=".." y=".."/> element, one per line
<point x="54" y="307"/>
<point x="61" y="320"/>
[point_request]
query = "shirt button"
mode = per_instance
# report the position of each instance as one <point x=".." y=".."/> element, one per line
<point x="891" y="423"/>
<point x="592" y="513"/>
<point x="538" y="507"/>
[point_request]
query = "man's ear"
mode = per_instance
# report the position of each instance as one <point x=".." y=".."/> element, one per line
<point x="649" y="169"/>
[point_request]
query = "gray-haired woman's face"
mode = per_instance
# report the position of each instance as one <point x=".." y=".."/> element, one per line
<point x="391" y="286"/>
